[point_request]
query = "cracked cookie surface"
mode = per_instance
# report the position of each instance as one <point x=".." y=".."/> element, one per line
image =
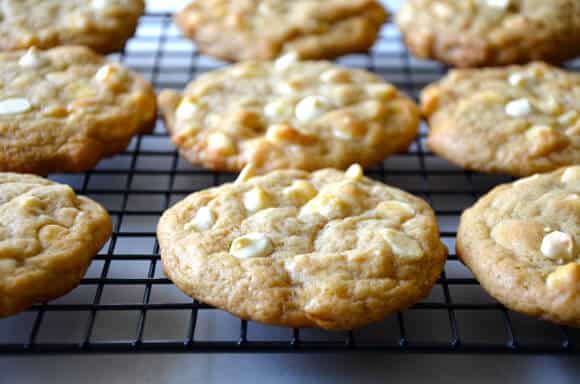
<point x="65" y="108"/>
<point x="327" y="249"/>
<point x="48" y="236"/>
<point x="103" y="25"/>
<point x="522" y="242"/>
<point x="476" y="33"/>
<point x="238" y="30"/>
<point x="288" y="114"/>
<point x="516" y="120"/>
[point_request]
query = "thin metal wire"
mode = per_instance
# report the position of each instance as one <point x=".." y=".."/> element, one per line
<point x="164" y="44"/>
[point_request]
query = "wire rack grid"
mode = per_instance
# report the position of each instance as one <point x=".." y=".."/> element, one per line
<point x="126" y="304"/>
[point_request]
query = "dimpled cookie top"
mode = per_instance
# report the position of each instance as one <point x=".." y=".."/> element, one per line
<point x="48" y="236"/>
<point x="103" y="25"/>
<point x="65" y="108"/>
<point x="263" y="29"/>
<point x="287" y="114"/>
<point x="329" y="249"/>
<point x="522" y="242"/>
<point x="469" y="33"/>
<point x="517" y="120"/>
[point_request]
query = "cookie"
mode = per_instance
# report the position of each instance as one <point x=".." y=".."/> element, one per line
<point x="328" y="249"/>
<point x="475" y="33"/>
<point x="516" y="120"/>
<point x="103" y="25"/>
<point x="288" y="114"/>
<point x="238" y="30"/>
<point x="48" y="236"/>
<point x="66" y="108"/>
<point x="522" y="242"/>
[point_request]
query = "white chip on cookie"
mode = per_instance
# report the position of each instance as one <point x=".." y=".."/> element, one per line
<point x="32" y="59"/>
<point x="571" y="175"/>
<point x="557" y="245"/>
<point x="256" y="199"/>
<point x="203" y="220"/>
<point x="186" y="110"/>
<point x="251" y="245"/>
<point x="14" y="106"/>
<point x="499" y="4"/>
<point x="311" y="107"/>
<point x="285" y="61"/>
<point x="354" y="172"/>
<point x="518" y="108"/>
<point x="402" y="244"/>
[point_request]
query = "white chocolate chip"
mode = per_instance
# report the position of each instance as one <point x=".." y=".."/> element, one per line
<point x="251" y="245"/>
<point x="256" y="199"/>
<point x="14" y="105"/>
<point x="186" y="110"/>
<point x="105" y="73"/>
<point x="300" y="190"/>
<point x="286" y="61"/>
<point x="246" y="173"/>
<point x="518" y="79"/>
<point x="500" y="4"/>
<point x="335" y="75"/>
<point x="568" y="118"/>
<point x="354" y="172"/>
<point x="278" y="109"/>
<point x="557" y="245"/>
<point x="221" y="143"/>
<point x="327" y="205"/>
<point x="571" y="175"/>
<point x="518" y="108"/>
<point x="100" y="4"/>
<point x="564" y="278"/>
<point x="311" y="107"/>
<point x="396" y="208"/>
<point x="32" y="59"/>
<point x="381" y="91"/>
<point x="204" y="219"/>
<point x="402" y="245"/>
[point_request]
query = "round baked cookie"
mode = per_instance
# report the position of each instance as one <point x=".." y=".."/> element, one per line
<point x="306" y="115"/>
<point x="474" y="33"/>
<point x="517" y="120"/>
<point x="522" y="242"/>
<point x="238" y="30"/>
<point x="66" y="108"/>
<point x="327" y="249"/>
<point x="48" y="236"/>
<point x="103" y="25"/>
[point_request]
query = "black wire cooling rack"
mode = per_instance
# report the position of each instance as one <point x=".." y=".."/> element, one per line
<point x="126" y="304"/>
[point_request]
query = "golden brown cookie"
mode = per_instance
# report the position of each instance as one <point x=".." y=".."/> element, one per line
<point x="66" y="108"/>
<point x="287" y="114"/>
<point x="474" y="33"/>
<point x="517" y="120"/>
<point x="48" y="236"/>
<point x="329" y="249"/>
<point x="522" y="242"/>
<point x="239" y="30"/>
<point x="103" y="25"/>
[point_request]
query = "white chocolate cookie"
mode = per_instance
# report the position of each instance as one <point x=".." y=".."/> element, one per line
<point x="306" y="115"/>
<point x="522" y="242"/>
<point x="329" y="249"/>
<point x="48" y="236"/>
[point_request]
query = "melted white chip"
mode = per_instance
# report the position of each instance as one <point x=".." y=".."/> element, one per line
<point x="518" y="108"/>
<point x="557" y="245"/>
<point x="14" y="105"/>
<point x="203" y="220"/>
<point x="285" y="61"/>
<point x="186" y="110"/>
<point x="311" y="107"/>
<point x="251" y="245"/>
<point x="501" y="4"/>
<point x="31" y="59"/>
